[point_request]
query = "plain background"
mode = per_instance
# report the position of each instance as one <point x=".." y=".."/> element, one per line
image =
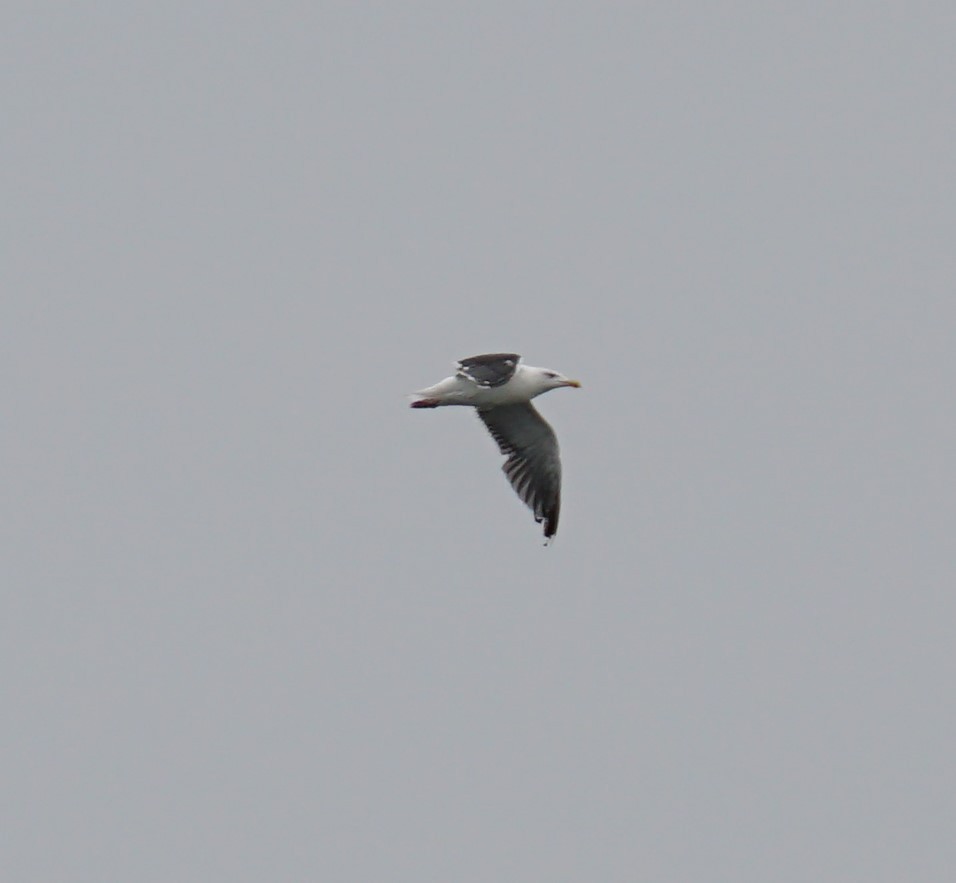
<point x="262" y="622"/>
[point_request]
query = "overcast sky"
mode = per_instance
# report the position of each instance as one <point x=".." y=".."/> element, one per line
<point x="262" y="622"/>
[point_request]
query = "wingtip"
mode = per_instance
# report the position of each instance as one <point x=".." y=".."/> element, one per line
<point x="550" y="530"/>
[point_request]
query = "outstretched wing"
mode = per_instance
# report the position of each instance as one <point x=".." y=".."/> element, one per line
<point x="490" y="370"/>
<point x="533" y="466"/>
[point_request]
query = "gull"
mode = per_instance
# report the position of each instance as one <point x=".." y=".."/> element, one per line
<point x="500" y="389"/>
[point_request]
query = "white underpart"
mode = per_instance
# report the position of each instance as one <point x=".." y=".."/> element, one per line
<point x="526" y="383"/>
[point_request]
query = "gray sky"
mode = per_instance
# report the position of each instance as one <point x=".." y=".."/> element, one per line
<point x="261" y="621"/>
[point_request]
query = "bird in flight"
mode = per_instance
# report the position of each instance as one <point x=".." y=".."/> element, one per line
<point x="500" y="390"/>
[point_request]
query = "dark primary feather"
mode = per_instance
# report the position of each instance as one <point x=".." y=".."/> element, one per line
<point x="533" y="466"/>
<point x="493" y="369"/>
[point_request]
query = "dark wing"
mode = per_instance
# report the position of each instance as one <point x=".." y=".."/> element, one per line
<point x="533" y="466"/>
<point x="493" y="369"/>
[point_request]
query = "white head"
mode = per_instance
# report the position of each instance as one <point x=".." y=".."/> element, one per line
<point x="545" y="379"/>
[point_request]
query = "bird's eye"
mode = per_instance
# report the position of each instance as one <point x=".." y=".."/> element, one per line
<point x="550" y="374"/>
